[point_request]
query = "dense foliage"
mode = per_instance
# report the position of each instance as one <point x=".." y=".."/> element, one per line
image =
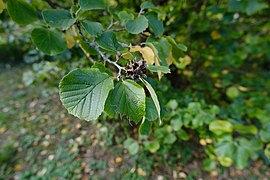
<point x="214" y="93"/>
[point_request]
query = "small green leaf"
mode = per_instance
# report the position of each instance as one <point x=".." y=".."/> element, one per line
<point x="147" y="5"/>
<point x="178" y="46"/>
<point x="169" y="139"/>
<point x="137" y="25"/>
<point x="209" y="164"/>
<point x="176" y="123"/>
<point x="219" y="127"/>
<point x="93" y="28"/>
<point x="132" y="146"/>
<point x="225" y="161"/>
<point x="264" y="133"/>
<point x="145" y="127"/>
<point x="21" y="12"/>
<point x="102" y="68"/>
<point x="84" y="92"/>
<point x="92" y="4"/>
<point x="163" y="69"/>
<point x="58" y="18"/>
<point x="127" y="98"/>
<point x="155" y="25"/>
<point x="267" y="151"/>
<point x="108" y="41"/>
<point x="151" y="110"/>
<point x="232" y="92"/>
<point x="125" y="17"/>
<point x="51" y="42"/>
<point x="154" y="97"/>
<point x="152" y="146"/>
<point x="245" y="129"/>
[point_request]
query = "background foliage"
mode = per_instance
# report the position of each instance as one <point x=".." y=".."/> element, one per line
<point x="214" y="103"/>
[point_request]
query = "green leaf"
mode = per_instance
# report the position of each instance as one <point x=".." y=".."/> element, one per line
<point x="163" y="69"/>
<point x="155" y="25"/>
<point x="224" y="149"/>
<point x="21" y="12"/>
<point x="245" y="129"/>
<point x="264" y="133"/>
<point x="51" y="42"/>
<point x="125" y="17"/>
<point x="219" y="127"/>
<point x="92" y="4"/>
<point x="152" y="146"/>
<point x="93" y="28"/>
<point x="209" y="164"/>
<point x="102" y="68"/>
<point x="108" y="41"/>
<point x="232" y="92"/>
<point x="254" y="6"/>
<point x="154" y="97"/>
<point x="177" y="49"/>
<point x="147" y="5"/>
<point x="267" y="151"/>
<point x="58" y="18"/>
<point x="145" y="127"/>
<point x="240" y="157"/>
<point x="132" y="146"/>
<point x="169" y="139"/>
<point x="225" y="161"/>
<point x="176" y="123"/>
<point x="2" y="6"/>
<point x="83" y="92"/>
<point x="151" y="110"/>
<point x="127" y="98"/>
<point x="162" y="49"/>
<point x="137" y="25"/>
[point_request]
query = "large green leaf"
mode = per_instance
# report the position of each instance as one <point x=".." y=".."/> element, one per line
<point x="155" y="24"/>
<point x="93" y="28"/>
<point x="51" y="42"/>
<point x="154" y="97"/>
<point x="92" y="4"/>
<point x="21" y="12"/>
<point x="151" y="113"/>
<point x="219" y="127"/>
<point x="83" y="92"/>
<point x="137" y="25"/>
<point x="58" y="18"/>
<point x="127" y="98"/>
<point x="108" y="41"/>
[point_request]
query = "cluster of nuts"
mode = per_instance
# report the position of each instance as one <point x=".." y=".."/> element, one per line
<point x="136" y="69"/>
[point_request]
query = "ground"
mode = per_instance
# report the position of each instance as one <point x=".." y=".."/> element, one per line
<point x="39" y="140"/>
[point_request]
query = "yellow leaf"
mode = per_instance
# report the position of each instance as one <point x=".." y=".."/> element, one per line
<point x="2" y="6"/>
<point x="18" y="167"/>
<point x="135" y="49"/>
<point x="215" y="35"/>
<point x="147" y="53"/>
<point x="118" y="159"/>
<point x="170" y="59"/>
<point x="127" y="55"/>
<point x="141" y="172"/>
<point x="70" y="39"/>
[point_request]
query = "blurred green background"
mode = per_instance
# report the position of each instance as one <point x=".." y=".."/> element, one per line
<point x="215" y="103"/>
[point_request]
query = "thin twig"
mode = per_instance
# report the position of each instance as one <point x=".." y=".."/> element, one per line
<point x="102" y="54"/>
